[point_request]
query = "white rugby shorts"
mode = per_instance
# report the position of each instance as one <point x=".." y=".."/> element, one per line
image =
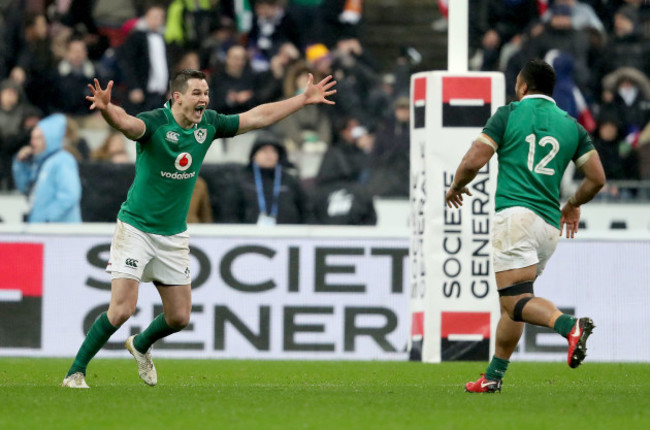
<point x="521" y="238"/>
<point x="148" y="257"/>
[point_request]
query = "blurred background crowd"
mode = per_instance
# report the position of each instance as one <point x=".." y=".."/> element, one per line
<point x="323" y="165"/>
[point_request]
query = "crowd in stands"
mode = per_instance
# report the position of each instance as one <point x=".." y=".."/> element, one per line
<point x="600" y="50"/>
<point x="254" y="52"/>
<point x="258" y="51"/>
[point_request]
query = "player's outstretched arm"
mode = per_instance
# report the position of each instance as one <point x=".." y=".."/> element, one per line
<point x="270" y="113"/>
<point x="592" y="183"/>
<point x="115" y="116"/>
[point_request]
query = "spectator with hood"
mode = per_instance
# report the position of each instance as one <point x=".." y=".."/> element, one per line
<point x="48" y="175"/>
<point x="269" y="193"/>
<point x="566" y="94"/>
<point x="627" y="91"/>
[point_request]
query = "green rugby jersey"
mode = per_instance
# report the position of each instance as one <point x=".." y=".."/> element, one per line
<point x="166" y="168"/>
<point x="537" y="140"/>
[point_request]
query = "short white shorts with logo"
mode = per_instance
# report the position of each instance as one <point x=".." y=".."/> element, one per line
<point x="148" y="257"/>
<point x="521" y="238"/>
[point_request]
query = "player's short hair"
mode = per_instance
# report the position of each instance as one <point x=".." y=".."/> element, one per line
<point x="179" y="80"/>
<point x="539" y="76"/>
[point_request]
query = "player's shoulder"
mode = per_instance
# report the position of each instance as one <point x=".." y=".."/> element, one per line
<point x="224" y="125"/>
<point x="209" y="116"/>
<point x="154" y="117"/>
<point x="503" y="112"/>
<point x="568" y="119"/>
<point x="153" y="120"/>
<point x="508" y="108"/>
<point x="512" y="105"/>
<point x="212" y="116"/>
<point x="563" y="114"/>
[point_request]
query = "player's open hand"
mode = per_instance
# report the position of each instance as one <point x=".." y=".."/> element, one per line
<point x="318" y="93"/>
<point x="100" y="98"/>
<point x="455" y="197"/>
<point x="570" y="219"/>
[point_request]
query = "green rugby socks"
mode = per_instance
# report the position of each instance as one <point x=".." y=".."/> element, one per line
<point x="497" y="368"/>
<point x="156" y="330"/>
<point x="564" y="324"/>
<point x="97" y="336"/>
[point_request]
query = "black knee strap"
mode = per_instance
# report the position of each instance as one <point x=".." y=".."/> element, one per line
<point x="519" y="309"/>
<point x="517" y="289"/>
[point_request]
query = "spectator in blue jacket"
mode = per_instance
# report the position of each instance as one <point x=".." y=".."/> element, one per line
<point x="566" y="94"/>
<point x="48" y="174"/>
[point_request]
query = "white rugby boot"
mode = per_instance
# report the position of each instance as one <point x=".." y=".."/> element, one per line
<point x="76" y="380"/>
<point x="146" y="369"/>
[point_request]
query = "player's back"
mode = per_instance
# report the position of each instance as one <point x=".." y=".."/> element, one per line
<point x="539" y="140"/>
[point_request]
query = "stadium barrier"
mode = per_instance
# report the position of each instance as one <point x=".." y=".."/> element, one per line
<point x="308" y="293"/>
<point x="298" y="293"/>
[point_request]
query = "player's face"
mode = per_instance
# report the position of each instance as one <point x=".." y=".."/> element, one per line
<point x="195" y="100"/>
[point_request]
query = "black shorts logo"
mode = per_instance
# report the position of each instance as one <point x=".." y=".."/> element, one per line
<point x="131" y="262"/>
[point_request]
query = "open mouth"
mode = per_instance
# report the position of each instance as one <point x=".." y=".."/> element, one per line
<point x="199" y="109"/>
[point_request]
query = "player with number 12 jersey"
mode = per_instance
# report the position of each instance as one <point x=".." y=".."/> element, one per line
<point x="536" y="141"/>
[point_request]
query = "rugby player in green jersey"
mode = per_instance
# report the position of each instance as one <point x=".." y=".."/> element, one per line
<point x="534" y="141"/>
<point x="150" y="242"/>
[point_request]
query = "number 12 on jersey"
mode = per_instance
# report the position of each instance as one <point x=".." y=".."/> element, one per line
<point x="541" y="166"/>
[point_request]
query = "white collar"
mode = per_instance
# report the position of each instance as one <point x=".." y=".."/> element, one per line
<point x="538" y="96"/>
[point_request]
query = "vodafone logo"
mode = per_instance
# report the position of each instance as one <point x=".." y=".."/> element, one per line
<point x="183" y="161"/>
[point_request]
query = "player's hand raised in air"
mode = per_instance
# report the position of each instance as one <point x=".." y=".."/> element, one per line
<point x="318" y="93"/>
<point x="100" y="98"/>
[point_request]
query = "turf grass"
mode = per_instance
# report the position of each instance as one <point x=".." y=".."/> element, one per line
<point x="247" y="394"/>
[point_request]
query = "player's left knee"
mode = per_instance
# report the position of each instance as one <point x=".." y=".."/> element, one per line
<point x="515" y="310"/>
<point x="178" y="321"/>
<point x="518" y="311"/>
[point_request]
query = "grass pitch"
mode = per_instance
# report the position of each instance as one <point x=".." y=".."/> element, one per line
<point x="223" y="394"/>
